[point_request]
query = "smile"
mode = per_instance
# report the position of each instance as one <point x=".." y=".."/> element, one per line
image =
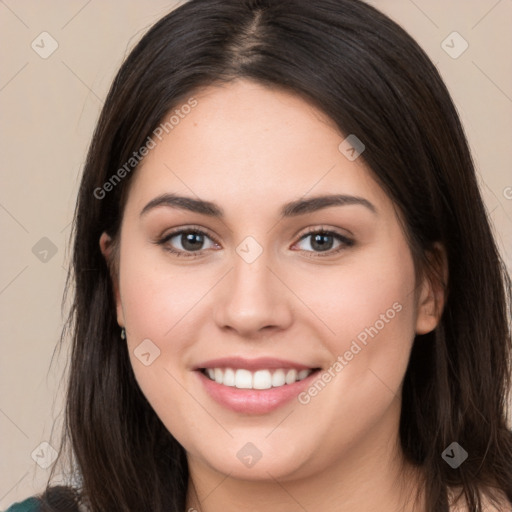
<point x="254" y="386"/>
<point x="260" y="379"/>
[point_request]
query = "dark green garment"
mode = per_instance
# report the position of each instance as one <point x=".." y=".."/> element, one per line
<point x="29" y="505"/>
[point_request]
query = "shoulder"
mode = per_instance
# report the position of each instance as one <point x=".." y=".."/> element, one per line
<point x="29" y="505"/>
<point x="58" y="498"/>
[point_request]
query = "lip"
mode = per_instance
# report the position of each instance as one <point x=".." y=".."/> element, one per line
<point x="260" y="363"/>
<point x="254" y="401"/>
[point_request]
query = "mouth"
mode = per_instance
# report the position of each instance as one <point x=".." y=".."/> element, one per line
<point x="256" y="386"/>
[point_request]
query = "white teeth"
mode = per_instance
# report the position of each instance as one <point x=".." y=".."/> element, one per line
<point x="291" y="376"/>
<point x="243" y="379"/>
<point x="260" y="379"/>
<point x="303" y="374"/>
<point x="278" y="378"/>
<point x="229" y="377"/>
<point x="218" y="375"/>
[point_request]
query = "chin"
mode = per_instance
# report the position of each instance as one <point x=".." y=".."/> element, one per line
<point x="245" y="461"/>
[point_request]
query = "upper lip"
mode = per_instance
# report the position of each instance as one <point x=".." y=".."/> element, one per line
<point x="260" y="363"/>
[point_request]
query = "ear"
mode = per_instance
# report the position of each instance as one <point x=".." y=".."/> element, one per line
<point x="106" y="247"/>
<point x="433" y="293"/>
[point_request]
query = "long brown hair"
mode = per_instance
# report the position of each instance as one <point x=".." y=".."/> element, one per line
<point x="374" y="81"/>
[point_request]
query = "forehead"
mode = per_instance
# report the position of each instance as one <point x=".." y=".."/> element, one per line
<point x="248" y="146"/>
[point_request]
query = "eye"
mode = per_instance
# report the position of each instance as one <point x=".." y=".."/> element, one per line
<point x="323" y="241"/>
<point x="188" y="242"/>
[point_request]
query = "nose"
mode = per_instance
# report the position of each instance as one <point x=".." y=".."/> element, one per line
<point x="253" y="300"/>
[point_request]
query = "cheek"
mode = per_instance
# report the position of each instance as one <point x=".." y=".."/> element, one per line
<point x="371" y="311"/>
<point x="159" y="304"/>
<point x="371" y="288"/>
<point x="368" y="306"/>
<point x="156" y="296"/>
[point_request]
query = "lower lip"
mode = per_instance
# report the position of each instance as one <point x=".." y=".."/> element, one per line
<point x="254" y="401"/>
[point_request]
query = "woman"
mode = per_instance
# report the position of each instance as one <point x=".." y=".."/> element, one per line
<point x="287" y="292"/>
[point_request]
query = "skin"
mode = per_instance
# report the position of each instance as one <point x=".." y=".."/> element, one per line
<point x="250" y="149"/>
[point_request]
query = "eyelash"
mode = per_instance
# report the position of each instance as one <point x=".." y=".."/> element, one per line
<point x="345" y="241"/>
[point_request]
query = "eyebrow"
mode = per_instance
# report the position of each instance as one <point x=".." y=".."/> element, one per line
<point x="291" y="209"/>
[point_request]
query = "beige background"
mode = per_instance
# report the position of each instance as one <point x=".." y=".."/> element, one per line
<point x="49" y="107"/>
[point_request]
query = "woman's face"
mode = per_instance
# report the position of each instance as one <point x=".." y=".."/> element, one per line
<point x="277" y="283"/>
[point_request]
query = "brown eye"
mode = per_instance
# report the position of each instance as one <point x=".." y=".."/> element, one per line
<point x="187" y="242"/>
<point x="322" y="241"/>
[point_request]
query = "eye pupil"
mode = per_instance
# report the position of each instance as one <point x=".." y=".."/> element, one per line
<point x="320" y="241"/>
<point x="192" y="241"/>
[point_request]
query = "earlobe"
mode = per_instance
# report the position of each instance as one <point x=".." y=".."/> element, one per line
<point x="426" y="320"/>
<point x="106" y="247"/>
<point x="432" y="298"/>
